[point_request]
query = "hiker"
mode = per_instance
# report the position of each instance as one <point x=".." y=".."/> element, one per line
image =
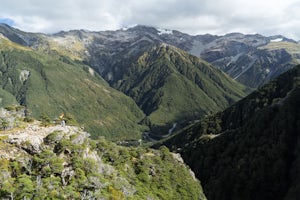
<point x="63" y="123"/>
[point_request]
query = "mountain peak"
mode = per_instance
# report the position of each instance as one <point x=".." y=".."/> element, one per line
<point x="142" y="28"/>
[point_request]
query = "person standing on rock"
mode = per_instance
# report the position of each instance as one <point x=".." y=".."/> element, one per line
<point x="63" y="123"/>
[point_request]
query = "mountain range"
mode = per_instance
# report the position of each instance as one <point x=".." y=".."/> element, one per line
<point x="168" y="85"/>
<point x="251" y="59"/>
<point x="166" y="73"/>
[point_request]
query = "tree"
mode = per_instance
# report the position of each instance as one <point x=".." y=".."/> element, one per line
<point x="9" y="187"/>
<point x="4" y="124"/>
<point x="24" y="187"/>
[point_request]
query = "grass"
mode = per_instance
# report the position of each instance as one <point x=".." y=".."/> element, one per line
<point x="57" y="84"/>
<point x="289" y="46"/>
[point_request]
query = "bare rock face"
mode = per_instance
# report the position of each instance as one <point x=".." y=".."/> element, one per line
<point x="31" y="138"/>
<point x="66" y="175"/>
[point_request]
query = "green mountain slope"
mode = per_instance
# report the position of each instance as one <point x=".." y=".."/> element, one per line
<point x="53" y="84"/>
<point x="250" y="150"/>
<point x="58" y="162"/>
<point x="171" y="86"/>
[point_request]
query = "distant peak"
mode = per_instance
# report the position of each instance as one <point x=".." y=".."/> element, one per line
<point x="234" y="35"/>
<point x="150" y="29"/>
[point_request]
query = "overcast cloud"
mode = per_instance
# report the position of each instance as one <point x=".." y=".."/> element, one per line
<point x="267" y="17"/>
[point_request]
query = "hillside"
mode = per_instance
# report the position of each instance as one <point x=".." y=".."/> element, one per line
<point x="250" y="150"/>
<point x="62" y="162"/>
<point x="171" y="86"/>
<point x="54" y="84"/>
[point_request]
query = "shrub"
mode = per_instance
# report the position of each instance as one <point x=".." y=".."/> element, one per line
<point x="28" y="119"/>
<point x="45" y="120"/>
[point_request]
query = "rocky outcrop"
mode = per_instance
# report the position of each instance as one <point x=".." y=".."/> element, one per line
<point x="32" y="137"/>
<point x="63" y="162"/>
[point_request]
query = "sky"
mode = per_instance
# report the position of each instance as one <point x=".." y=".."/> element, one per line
<point x="266" y="17"/>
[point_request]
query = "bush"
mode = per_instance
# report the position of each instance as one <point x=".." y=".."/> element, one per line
<point x="45" y="120"/>
<point x="53" y="137"/>
<point x="28" y="119"/>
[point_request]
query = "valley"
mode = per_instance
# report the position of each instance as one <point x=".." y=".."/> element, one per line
<point x="137" y="104"/>
<point x="249" y="150"/>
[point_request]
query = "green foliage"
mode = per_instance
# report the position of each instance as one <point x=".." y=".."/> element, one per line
<point x="68" y="168"/>
<point x="53" y="137"/>
<point x="171" y="86"/>
<point x="155" y="174"/>
<point x="45" y="120"/>
<point x="70" y="120"/>
<point x="24" y="187"/>
<point x="49" y="84"/>
<point x="250" y="150"/>
<point x="4" y="123"/>
<point x="14" y="107"/>
<point x="28" y="119"/>
<point x="115" y="194"/>
<point x="6" y="98"/>
<point x="10" y="108"/>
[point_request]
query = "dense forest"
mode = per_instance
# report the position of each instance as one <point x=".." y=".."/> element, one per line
<point x="250" y="150"/>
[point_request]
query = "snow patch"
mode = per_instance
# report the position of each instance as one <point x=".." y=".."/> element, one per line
<point x="277" y="40"/>
<point x="268" y="70"/>
<point x="164" y="31"/>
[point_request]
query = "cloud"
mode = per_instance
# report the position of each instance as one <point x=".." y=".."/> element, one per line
<point x="266" y="17"/>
